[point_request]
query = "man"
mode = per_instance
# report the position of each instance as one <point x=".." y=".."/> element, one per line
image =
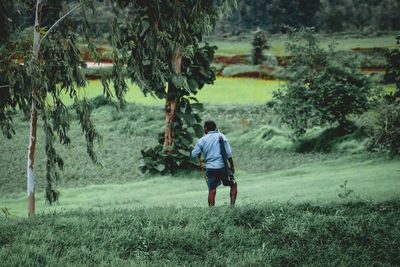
<point x="216" y="172"/>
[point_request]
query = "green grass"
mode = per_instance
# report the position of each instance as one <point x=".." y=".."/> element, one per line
<point x="270" y="234"/>
<point x="267" y="164"/>
<point x="223" y="91"/>
<point x="317" y="183"/>
<point x="288" y="209"/>
<point x="234" y="46"/>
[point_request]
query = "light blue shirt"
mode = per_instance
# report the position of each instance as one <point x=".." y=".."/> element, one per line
<point x="210" y="147"/>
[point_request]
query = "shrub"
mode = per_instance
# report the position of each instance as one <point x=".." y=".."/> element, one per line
<point x="385" y="132"/>
<point x="321" y="89"/>
<point x="260" y="44"/>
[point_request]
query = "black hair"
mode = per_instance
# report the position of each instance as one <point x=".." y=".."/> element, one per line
<point x="210" y="125"/>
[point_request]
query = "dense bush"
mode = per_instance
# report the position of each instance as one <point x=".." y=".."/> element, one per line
<point x="385" y="134"/>
<point x="386" y="131"/>
<point x="321" y="89"/>
<point x="260" y="43"/>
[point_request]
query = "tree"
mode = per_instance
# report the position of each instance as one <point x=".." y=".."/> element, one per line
<point x="321" y="89"/>
<point x="259" y="43"/>
<point x="160" y="43"/>
<point x="51" y="65"/>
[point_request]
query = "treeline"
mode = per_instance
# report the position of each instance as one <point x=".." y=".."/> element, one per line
<point x="325" y="15"/>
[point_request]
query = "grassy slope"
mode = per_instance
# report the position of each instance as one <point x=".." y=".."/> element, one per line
<point x="317" y="183"/>
<point x="264" y="174"/>
<point x="114" y="217"/>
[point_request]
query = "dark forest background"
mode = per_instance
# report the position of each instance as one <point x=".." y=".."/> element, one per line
<point x="327" y="16"/>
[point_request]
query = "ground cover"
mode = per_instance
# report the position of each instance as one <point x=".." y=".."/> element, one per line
<point x="288" y="211"/>
<point x="223" y="91"/>
<point x="233" y="46"/>
<point x="265" y="155"/>
<point x="269" y="234"/>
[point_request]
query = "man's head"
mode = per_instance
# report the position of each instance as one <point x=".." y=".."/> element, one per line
<point x="209" y="126"/>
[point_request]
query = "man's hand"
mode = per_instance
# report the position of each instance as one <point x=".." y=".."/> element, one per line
<point x="232" y="169"/>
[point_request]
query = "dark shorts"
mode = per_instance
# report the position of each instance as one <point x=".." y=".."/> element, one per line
<point x="215" y="176"/>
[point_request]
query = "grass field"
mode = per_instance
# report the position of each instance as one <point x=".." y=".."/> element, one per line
<point x="269" y="168"/>
<point x="288" y="211"/>
<point x="242" y="46"/>
<point x="223" y="91"/>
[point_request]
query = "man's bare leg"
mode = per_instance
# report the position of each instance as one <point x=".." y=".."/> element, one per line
<point x="211" y="197"/>
<point x="233" y="193"/>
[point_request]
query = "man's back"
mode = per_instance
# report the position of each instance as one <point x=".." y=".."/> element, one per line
<point x="209" y="145"/>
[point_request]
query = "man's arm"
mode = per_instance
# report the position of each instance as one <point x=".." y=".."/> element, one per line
<point x="232" y="167"/>
<point x="196" y="152"/>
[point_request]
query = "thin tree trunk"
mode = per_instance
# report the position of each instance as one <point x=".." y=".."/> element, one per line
<point x="171" y="101"/>
<point x="31" y="160"/>
<point x="32" y="137"/>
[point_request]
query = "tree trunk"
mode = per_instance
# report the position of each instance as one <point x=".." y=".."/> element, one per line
<point x="31" y="160"/>
<point x="32" y="137"/>
<point x="171" y="101"/>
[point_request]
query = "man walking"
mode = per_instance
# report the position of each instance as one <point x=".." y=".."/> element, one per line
<point x="216" y="172"/>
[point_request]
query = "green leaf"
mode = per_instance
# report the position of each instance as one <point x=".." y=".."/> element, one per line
<point x="177" y="80"/>
<point x="193" y="85"/>
<point x="145" y="26"/>
<point x="160" y="167"/>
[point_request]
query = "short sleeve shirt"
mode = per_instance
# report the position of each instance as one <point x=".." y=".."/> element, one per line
<point x="210" y="147"/>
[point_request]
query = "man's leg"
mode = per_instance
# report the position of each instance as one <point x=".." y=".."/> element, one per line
<point x="233" y="193"/>
<point x="211" y="197"/>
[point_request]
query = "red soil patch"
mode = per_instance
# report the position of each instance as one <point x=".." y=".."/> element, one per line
<point x="86" y="55"/>
<point x="284" y="60"/>
<point x="230" y="60"/>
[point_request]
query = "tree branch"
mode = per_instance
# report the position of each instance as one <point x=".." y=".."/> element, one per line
<point x="4" y="86"/>
<point x="58" y="21"/>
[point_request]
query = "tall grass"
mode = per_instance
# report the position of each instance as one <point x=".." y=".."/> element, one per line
<point x="352" y="234"/>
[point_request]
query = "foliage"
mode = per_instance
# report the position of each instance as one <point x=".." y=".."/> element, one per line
<point x="172" y="159"/>
<point x="40" y="82"/>
<point x="260" y="44"/>
<point x="385" y="129"/>
<point x="321" y="89"/>
<point x="265" y="234"/>
<point x="346" y="192"/>
<point x="363" y="16"/>
<point x="155" y="38"/>
<point x="358" y="15"/>
<point x="385" y="133"/>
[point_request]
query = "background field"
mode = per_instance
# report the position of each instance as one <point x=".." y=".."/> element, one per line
<point x="231" y="46"/>
<point x="268" y="166"/>
<point x="289" y="209"/>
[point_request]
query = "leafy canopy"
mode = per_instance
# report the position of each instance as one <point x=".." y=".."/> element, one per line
<point x="322" y="89"/>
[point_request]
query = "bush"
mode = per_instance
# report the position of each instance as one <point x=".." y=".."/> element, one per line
<point x="385" y="131"/>
<point x="321" y="90"/>
<point x="260" y="44"/>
